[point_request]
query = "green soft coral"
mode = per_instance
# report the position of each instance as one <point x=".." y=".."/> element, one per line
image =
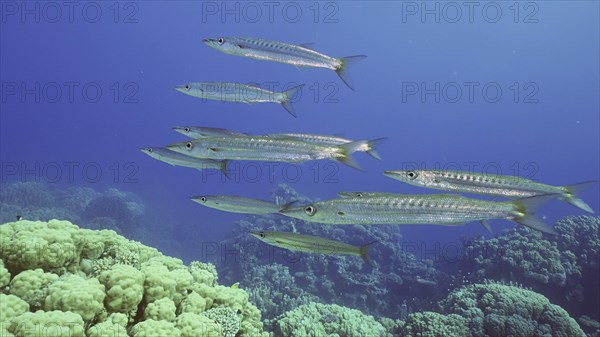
<point x="35" y="244"/>
<point x="110" y="285"/>
<point x="152" y="328"/>
<point x="76" y="294"/>
<point x="432" y="324"/>
<point x="194" y="325"/>
<point x="161" y="310"/>
<point x="124" y="288"/>
<point x="32" y="286"/>
<point x="4" y="275"/>
<point x="10" y="307"/>
<point x="495" y="309"/>
<point x="317" y="319"/>
<point x="48" y="323"/>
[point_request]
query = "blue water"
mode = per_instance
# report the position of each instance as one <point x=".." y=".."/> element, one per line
<point x="544" y="124"/>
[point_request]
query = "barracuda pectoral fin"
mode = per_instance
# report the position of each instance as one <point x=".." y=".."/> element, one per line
<point x="223" y="168"/>
<point x="527" y="207"/>
<point x="213" y="149"/>
<point x="346" y="63"/>
<point x="487" y="226"/>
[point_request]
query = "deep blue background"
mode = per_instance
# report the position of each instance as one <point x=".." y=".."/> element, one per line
<point x="555" y="140"/>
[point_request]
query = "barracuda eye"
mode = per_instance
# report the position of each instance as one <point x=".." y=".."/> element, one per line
<point x="189" y="145"/>
<point x="310" y="210"/>
<point x="203" y="199"/>
<point x="150" y="150"/>
<point x="186" y="129"/>
<point x="262" y="235"/>
<point x="359" y="195"/>
<point x="411" y="175"/>
<point x="221" y="40"/>
<point x="188" y="87"/>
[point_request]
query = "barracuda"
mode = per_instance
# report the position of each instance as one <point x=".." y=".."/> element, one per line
<point x="240" y="93"/>
<point x="312" y="244"/>
<point x="196" y="132"/>
<point x="266" y="149"/>
<point x="436" y="209"/>
<point x="178" y="159"/>
<point x="297" y="55"/>
<point x="236" y="204"/>
<point x="489" y="184"/>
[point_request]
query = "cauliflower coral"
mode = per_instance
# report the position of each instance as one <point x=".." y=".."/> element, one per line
<point x="66" y="281"/>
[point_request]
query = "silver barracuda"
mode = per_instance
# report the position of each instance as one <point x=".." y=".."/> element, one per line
<point x="178" y="159"/>
<point x="297" y="55"/>
<point x="312" y="244"/>
<point x="329" y="140"/>
<point x="196" y="132"/>
<point x="366" y="194"/>
<point x="435" y="209"/>
<point x="240" y="93"/>
<point x="236" y="204"/>
<point x="266" y="149"/>
<point x="490" y="184"/>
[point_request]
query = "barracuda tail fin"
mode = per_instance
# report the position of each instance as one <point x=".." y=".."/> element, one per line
<point x="348" y="149"/>
<point x="528" y="206"/>
<point x="572" y="195"/>
<point x="288" y="96"/>
<point x="347" y="62"/>
<point x="364" y="253"/>
<point x="372" y="147"/>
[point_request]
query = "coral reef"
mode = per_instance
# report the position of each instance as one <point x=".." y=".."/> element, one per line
<point x="52" y="282"/>
<point x="565" y="268"/>
<point x="494" y="309"/>
<point x="317" y="319"/>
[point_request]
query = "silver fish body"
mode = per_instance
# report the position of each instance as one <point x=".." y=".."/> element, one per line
<point x="437" y="209"/>
<point x="311" y="244"/>
<point x="235" y="204"/>
<point x="488" y="184"/>
<point x="297" y="55"/>
<point x="179" y="159"/>
<point x="264" y="149"/>
<point x="196" y="132"/>
<point x="369" y="147"/>
<point x="240" y="93"/>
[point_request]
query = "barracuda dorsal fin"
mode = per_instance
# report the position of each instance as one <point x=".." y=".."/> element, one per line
<point x="307" y="45"/>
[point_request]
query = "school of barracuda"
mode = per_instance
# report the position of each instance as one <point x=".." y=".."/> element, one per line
<point x="214" y="148"/>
